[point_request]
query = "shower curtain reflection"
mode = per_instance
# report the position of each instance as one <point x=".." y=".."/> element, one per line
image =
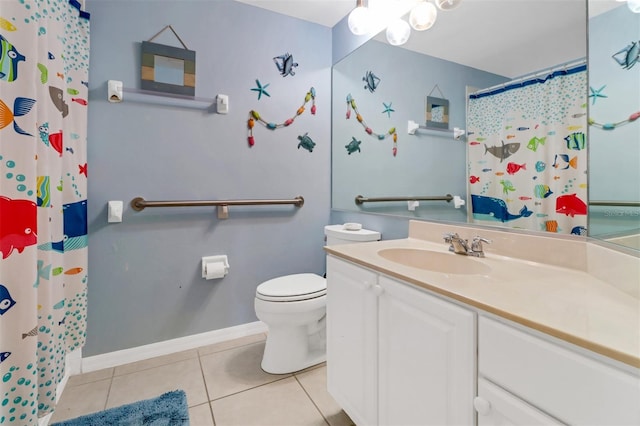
<point x="527" y="153"/>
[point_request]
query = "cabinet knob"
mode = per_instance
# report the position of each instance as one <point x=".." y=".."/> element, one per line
<point x="378" y="290"/>
<point x="482" y="406"/>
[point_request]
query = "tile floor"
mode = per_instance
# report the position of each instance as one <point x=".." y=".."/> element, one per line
<point x="224" y="385"/>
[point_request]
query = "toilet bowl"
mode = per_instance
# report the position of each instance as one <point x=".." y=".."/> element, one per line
<point x="294" y="309"/>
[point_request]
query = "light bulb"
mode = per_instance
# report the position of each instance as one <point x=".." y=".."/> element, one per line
<point x="398" y="32"/>
<point x="634" y="5"/>
<point x="359" y="20"/>
<point x="423" y="16"/>
<point x="447" y="4"/>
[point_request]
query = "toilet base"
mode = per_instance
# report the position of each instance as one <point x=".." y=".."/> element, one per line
<point x="291" y="349"/>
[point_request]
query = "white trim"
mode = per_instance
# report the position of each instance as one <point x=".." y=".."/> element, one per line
<point x="139" y="353"/>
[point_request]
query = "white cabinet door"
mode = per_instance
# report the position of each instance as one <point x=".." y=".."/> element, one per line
<point x="352" y="340"/>
<point x="426" y="358"/>
<point x="497" y="407"/>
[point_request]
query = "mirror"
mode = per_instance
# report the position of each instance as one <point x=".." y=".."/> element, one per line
<point x="168" y="69"/>
<point x="437" y="113"/>
<point x="431" y="162"/>
<point x="614" y="168"/>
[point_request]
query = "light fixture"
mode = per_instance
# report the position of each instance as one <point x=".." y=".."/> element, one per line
<point x="423" y="16"/>
<point x="447" y="4"/>
<point x="360" y="19"/>
<point x="634" y="5"/>
<point x="398" y="32"/>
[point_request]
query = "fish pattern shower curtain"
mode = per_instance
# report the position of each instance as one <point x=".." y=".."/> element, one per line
<point x="44" y="67"/>
<point x="527" y="156"/>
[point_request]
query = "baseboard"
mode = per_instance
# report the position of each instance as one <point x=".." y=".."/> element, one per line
<point x="139" y="353"/>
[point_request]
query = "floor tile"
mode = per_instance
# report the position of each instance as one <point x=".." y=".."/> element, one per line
<point x="281" y="403"/>
<point x="155" y="362"/>
<point x="230" y="344"/>
<point x="93" y="376"/>
<point x="152" y="382"/>
<point x="82" y="399"/>
<point x="235" y="370"/>
<point x="200" y="415"/>
<point x="314" y="383"/>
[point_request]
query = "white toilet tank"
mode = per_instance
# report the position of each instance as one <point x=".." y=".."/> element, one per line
<point x="349" y="233"/>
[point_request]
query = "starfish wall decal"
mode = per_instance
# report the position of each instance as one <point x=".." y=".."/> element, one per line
<point x="261" y="89"/>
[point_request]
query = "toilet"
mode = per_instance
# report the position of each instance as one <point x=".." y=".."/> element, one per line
<point x="294" y="309"/>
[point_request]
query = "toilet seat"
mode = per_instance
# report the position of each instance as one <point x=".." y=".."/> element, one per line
<point x="292" y="288"/>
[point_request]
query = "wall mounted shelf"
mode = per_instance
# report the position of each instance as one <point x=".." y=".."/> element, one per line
<point x="456" y="133"/>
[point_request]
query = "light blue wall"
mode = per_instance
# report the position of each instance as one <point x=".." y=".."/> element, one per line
<point x="427" y="163"/>
<point x="614" y="156"/>
<point x="145" y="283"/>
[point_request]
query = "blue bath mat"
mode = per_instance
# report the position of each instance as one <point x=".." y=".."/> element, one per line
<point x="169" y="409"/>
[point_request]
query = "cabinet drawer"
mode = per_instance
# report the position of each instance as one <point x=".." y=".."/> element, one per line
<point x="567" y="385"/>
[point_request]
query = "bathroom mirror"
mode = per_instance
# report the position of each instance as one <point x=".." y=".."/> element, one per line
<point x="430" y="163"/>
<point x="614" y="156"/>
<point x="168" y="69"/>
<point x="437" y="113"/>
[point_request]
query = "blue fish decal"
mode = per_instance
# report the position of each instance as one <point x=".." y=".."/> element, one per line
<point x="44" y="272"/>
<point x="628" y="56"/>
<point x="495" y="208"/>
<point x="50" y="56"/>
<point x="74" y="228"/>
<point x="6" y="301"/>
<point x="57" y="246"/>
<point x="9" y="58"/>
<point x="21" y="106"/>
<point x="579" y="230"/>
<point x="371" y="81"/>
<point x="3" y="356"/>
<point x="285" y="64"/>
<point x="542" y="191"/>
<point x="75" y="225"/>
<point x="522" y="129"/>
<point x="576" y="141"/>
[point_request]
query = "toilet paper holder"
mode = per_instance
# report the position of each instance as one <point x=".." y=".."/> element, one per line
<point x="214" y="262"/>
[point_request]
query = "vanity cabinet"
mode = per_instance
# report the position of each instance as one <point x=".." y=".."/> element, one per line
<point x="527" y="379"/>
<point x="397" y="355"/>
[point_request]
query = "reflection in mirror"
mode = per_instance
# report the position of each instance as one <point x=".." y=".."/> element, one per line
<point x="614" y="157"/>
<point x="168" y="70"/>
<point x="457" y="52"/>
<point x="437" y="113"/>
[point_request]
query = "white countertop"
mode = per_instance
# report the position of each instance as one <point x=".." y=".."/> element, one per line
<point x="567" y="303"/>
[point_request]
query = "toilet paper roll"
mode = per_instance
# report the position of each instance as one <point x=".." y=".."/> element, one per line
<point x="215" y="270"/>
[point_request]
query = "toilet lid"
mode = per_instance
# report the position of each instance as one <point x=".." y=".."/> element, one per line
<point x="292" y="287"/>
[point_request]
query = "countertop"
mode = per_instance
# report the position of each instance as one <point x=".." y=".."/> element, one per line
<point x="566" y="303"/>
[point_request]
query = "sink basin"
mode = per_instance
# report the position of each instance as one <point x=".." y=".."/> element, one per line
<point x="446" y="263"/>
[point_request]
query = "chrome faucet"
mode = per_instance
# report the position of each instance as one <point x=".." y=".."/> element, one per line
<point x="461" y="246"/>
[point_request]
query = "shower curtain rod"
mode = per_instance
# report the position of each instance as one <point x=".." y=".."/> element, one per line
<point x="546" y="72"/>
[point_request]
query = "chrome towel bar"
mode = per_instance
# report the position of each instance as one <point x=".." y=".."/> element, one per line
<point x="361" y="199"/>
<point x="139" y="204"/>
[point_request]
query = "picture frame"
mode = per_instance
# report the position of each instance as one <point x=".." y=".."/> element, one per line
<point x="437" y="113"/>
<point x="168" y="69"/>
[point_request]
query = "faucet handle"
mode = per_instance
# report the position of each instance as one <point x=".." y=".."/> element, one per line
<point x="479" y="239"/>
<point x="476" y="243"/>
<point x="448" y="236"/>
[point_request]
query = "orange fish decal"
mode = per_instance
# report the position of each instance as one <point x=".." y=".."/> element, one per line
<point x="73" y="271"/>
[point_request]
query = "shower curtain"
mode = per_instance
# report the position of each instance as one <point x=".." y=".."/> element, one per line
<point x="43" y="200"/>
<point x="527" y="156"/>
